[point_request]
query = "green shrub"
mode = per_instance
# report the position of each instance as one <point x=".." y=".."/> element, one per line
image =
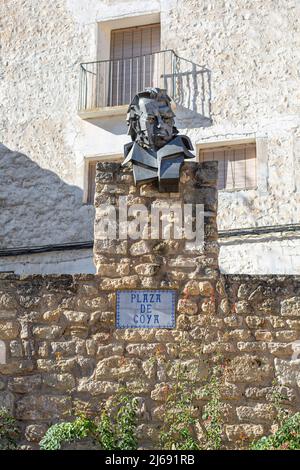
<point x="212" y="423"/>
<point x="126" y="423"/>
<point x="180" y="414"/>
<point x="64" y="433"/>
<point x="115" y="430"/>
<point x="9" y="432"/>
<point x="178" y="431"/>
<point x="287" y="437"/>
<point x="117" y="426"/>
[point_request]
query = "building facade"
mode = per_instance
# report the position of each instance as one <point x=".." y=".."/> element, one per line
<point x="68" y="70"/>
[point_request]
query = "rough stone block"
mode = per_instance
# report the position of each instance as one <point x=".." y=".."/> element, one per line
<point x="65" y="348"/>
<point x="142" y="350"/>
<point x="208" y="307"/>
<point x="7" y="401"/>
<point x="254" y="321"/>
<point x="280" y="349"/>
<point x="35" y="432"/>
<point x="240" y="432"/>
<point x="16" y="348"/>
<point x="17" y="367"/>
<point x="57" y="365"/>
<point x="187" y="306"/>
<point x="129" y="282"/>
<point x="160" y="392"/>
<point x="9" y="329"/>
<point x="206" y="288"/>
<point x="95" y="387"/>
<point x="287" y="372"/>
<point x="248" y="369"/>
<point x="259" y="413"/>
<point x="26" y="384"/>
<point x="263" y="335"/>
<point x="44" y="407"/>
<point x="52" y="316"/>
<point x="47" y="332"/>
<point x="251" y="346"/>
<point x="8" y="302"/>
<point x="191" y="288"/>
<point x="118" y="367"/>
<point x="286" y="335"/>
<point x="242" y="307"/>
<point x="291" y="307"/>
<point x="147" y="269"/>
<point x="61" y="382"/>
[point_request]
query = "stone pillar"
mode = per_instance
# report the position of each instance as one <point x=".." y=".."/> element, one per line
<point x="151" y="360"/>
<point x="159" y="263"/>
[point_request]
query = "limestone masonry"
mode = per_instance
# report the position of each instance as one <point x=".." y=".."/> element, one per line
<point x="63" y="352"/>
<point x="252" y="51"/>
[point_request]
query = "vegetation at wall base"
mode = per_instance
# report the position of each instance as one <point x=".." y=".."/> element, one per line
<point x="287" y="437"/>
<point x="115" y="430"/>
<point x="212" y="414"/>
<point x="180" y="416"/>
<point x="9" y="432"/>
<point x="67" y="432"/>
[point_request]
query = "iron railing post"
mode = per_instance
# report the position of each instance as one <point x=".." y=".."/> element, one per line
<point x="164" y="68"/>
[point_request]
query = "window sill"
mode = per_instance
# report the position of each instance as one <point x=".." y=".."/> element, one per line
<point x="103" y="112"/>
<point x="236" y="190"/>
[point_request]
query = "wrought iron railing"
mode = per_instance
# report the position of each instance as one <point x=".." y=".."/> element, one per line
<point x="108" y="83"/>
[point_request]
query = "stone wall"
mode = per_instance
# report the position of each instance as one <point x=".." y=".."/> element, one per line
<point x="249" y="48"/>
<point x="63" y="352"/>
<point x="154" y="263"/>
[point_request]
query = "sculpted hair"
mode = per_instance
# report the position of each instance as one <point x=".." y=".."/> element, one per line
<point x="133" y="112"/>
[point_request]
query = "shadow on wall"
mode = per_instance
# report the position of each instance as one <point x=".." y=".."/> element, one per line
<point x="38" y="208"/>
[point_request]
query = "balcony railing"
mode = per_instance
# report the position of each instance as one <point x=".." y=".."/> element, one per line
<point x="109" y="83"/>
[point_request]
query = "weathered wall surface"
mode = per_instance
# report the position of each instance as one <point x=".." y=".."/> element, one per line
<point x="54" y="262"/>
<point x="164" y="261"/>
<point x="251" y="50"/>
<point x="277" y="253"/>
<point x="64" y="353"/>
<point x="255" y="94"/>
<point x="37" y="207"/>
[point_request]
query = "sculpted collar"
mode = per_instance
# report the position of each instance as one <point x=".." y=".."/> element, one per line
<point x="151" y="158"/>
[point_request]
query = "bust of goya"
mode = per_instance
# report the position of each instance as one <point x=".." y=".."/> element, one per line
<point x="157" y="151"/>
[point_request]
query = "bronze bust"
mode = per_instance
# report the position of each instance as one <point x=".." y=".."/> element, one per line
<point x="156" y="151"/>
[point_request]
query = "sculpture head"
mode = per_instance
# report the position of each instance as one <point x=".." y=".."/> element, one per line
<point x="151" y="119"/>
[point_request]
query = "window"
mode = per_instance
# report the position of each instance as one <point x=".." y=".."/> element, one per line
<point x="90" y="174"/>
<point x="91" y="182"/>
<point x="134" y="61"/>
<point x="237" y="165"/>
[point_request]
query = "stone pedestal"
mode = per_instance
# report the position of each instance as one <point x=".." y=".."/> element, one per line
<point x="62" y="350"/>
<point x="157" y="263"/>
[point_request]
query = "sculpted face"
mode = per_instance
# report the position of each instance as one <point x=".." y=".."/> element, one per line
<point x="151" y="119"/>
<point x="156" y="153"/>
<point x="156" y="122"/>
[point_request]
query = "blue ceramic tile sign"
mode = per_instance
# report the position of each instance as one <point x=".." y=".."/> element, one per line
<point x="146" y="309"/>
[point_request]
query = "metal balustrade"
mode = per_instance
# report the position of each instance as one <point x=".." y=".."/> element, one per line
<point x="109" y="83"/>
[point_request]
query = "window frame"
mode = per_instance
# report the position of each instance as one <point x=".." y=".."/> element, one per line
<point x="229" y="148"/>
<point x="88" y="159"/>
<point x="261" y="145"/>
<point x="140" y="71"/>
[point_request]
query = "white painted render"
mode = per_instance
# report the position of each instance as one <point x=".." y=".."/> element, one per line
<point x="278" y="254"/>
<point x="54" y="262"/>
<point x="253" y="52"/>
